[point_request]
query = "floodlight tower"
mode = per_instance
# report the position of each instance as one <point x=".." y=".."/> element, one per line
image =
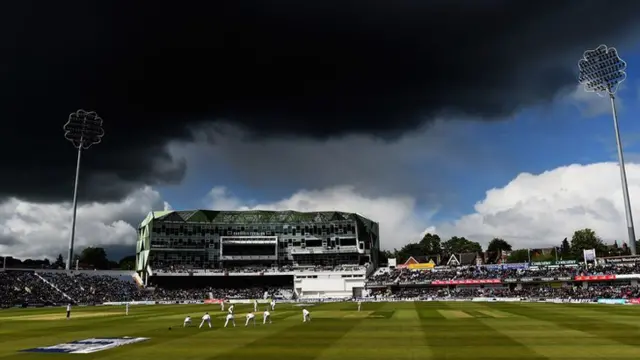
<point x="602" y="71"/>
<point x="83" y="129"/>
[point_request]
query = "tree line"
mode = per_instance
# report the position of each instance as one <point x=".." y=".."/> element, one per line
<point x="89" y="258"/>
<point x="568" y="249"/>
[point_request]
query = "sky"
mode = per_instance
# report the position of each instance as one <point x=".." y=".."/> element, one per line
<point x="462" y="118"/>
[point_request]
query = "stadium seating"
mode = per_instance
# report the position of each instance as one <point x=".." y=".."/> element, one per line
<point x="41" y="288"/>
<point x="259" y="269"/>
<point x="478" y="273"/>
<point x="533" y="292"/>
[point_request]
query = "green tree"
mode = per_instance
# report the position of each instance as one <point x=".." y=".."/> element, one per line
<point x="411" y="249"/>
<point x="430" y="244"/>
<point x="59" y="263"/>
<point x="586" y="239"/>
<point x="129" y="262"/>
<point x="498" y="245"/>
<point x="94" y="257"/>
<point x="458" y="245"/>
<point x="519" y="256"/>
<point x="389" y="254"/>
<point x="565" y="250"/>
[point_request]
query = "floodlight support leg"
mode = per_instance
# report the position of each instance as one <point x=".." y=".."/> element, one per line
<point x="75" y="211"/>
<point x="623" y="178"/>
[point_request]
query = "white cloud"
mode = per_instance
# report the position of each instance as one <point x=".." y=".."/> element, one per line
<point x="530" y="211"/>
<point x="399" y="221"/>
<point x="591" y="104"/>
<point x="37" y="230"/>
<point x="539" y="210"/>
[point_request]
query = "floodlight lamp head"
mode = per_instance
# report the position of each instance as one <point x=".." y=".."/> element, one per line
<point x="83" y="129"/>
<point x="602" y="70"/>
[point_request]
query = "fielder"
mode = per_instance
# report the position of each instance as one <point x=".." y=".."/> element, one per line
<point x="126" y="309"/>
<point x="68" y="311"/>
<point x="359" y="305"/>
<point x="205" y="318"/>
<point x="250" y="317"/>
<point x="222" y="305"/>
<point x="187" y="321"/>
<point x="273" y="304"/>
<point x="255" y="305"/>
<point x="231" y="308"/>
<point x="306" y="315"/>
<point x="230" y="319"/>
<point x="266" y="316"/>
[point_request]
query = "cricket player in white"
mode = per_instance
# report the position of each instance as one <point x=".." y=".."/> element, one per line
<point x="230" y="318"/>
<point x="359" y="305"/>
<point x="222" y="305"/>
<point x="126" y="309"/>
<point x="273" y="304"/>
<point x="306" y="315"/>
<point x="250" y="317"/>
<point x="68" y="311"/>
<point x="266" y="316"/>
<point x="231" y="308"/>
<point x="205" y="318"/>
<point x="255" y="305"/>
<point x="187" y="321"/>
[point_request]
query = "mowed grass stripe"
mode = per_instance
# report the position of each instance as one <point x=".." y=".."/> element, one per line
<point x="454" y="314"/>
<point x="197" y="343"/>
<point x="469" y="338"/>
<point x="303" y="341"/>
<point x="614" y="313"/>
<point x="60" y="329"/>
<point x="205" y="343"/>
<point x="555" y="342"/>
<point x="573" y="317"/>
<point x="146" y="324"/>
<point x="163" y="342"/>
<point x="391" y="338"/>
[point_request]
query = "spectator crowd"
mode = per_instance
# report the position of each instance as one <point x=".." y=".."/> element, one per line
<point x="217" y="293"/>
<point x="541" y="291"/>
<point x="260" y="269"/>
<point x="404" y="275"/>
<point x="19" y="288"/>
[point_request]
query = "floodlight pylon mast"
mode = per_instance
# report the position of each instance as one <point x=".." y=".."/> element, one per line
<point x="631" y="233"/>
<point x="75" y="209"/>
<point x="602" y="71"/>
<point x="83" y="129"/>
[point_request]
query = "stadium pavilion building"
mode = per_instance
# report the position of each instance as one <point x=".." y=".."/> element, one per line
<point x="205" y="239"/>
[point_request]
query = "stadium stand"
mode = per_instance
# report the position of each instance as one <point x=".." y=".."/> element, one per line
<point x="591" y="293"/>
<point x="483" y="273"/>
<point x="46" y="288"/>
<point x="261" y="269"/>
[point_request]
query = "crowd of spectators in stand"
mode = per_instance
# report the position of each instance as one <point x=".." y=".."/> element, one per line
<point x="477" y="273"/>
<point x="94" y="289"/>
<point x="217" y="293"/>
<point x="259" y="269"/>
<point x="28" y="287"/>
<point x="18" y="288"/>
<point x="531" y="292"/>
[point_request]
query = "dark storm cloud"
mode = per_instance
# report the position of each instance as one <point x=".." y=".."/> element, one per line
<point x="307" y="68"/>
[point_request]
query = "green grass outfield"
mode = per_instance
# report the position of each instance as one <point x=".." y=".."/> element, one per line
<point x="425" y="330"/>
